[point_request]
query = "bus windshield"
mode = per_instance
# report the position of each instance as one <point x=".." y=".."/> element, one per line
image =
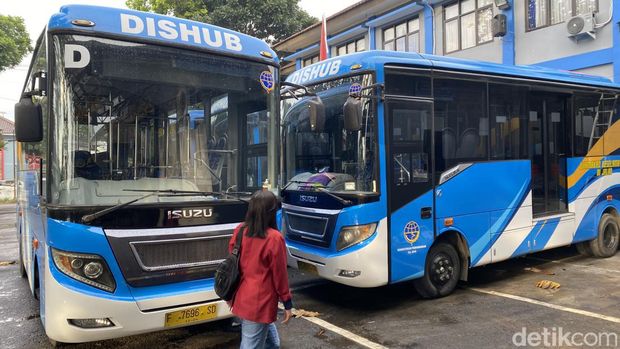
<point x="131" y="117"/>
<point x="333" y="158"/>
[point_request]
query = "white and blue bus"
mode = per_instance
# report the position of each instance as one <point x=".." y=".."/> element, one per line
<point x="404" y="166"/>
<point x="140" y="137"/>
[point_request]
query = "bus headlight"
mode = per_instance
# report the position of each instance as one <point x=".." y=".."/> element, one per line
<point x="90" y="269"/>
<point x="353" y="235"/>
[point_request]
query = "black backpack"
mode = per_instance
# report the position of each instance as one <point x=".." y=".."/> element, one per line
<point x="227" y="273"/>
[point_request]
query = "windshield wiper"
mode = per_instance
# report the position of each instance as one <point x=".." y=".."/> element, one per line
<point x="191" y="192"/>
<point x="319" y="187"/>
<point x="91" y="217"/>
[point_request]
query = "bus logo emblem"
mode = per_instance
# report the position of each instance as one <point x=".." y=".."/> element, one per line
<point x="412" y="232"/>
<point x="190" y="213"/>
<point x="266" y="81"/>
<point x="355" y="90"/>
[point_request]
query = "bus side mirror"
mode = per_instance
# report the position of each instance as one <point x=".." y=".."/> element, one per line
<point x="316" y="109"/>
<point x="28" y="121"/>
<point x="352" y="112"/>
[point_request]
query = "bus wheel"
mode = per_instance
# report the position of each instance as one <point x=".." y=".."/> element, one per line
<point x="441" y="273"/>
<point x="584" y="248"/>
<point x="22" y="267"/>
<point x="606" y="243"/>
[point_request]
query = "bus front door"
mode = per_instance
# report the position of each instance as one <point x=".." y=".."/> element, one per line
<point x="410" y="188"/>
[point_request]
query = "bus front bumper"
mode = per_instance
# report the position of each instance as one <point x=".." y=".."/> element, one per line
<point x="361" y="267"/>
<point x="62" y="304"/>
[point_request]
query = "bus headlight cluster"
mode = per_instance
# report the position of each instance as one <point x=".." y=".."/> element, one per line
<point x="90" y="269"/>
<point x="355" y="234"/>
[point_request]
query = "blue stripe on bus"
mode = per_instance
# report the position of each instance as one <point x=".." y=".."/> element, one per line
<point x="504" y="186"/>
<point x="541" y="233"/>
<point x="588" y="227"/>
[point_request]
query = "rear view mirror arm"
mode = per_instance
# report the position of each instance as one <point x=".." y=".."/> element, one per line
<point x="292" y="87"/>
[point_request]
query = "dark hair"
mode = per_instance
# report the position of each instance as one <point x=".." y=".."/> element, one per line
<point x="261" y="213"/>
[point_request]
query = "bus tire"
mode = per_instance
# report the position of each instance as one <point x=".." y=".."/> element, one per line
<point x="584" y="248"/>
<point x="606" y="242"/>
<point x="22" y="267"/>
<point x="441" y="272"/>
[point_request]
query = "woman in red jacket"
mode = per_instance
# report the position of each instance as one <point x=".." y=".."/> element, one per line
<point x="264" y="278"/>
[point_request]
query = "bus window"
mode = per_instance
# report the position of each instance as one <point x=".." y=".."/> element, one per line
<point x="585" y="108"/>
<point x="121" y="127"/>
<point x="33" y="155"/>
<point x="508" y="121"/>
<point x="461" y="123"/>
<point x="256" y="141"/>
<point x="404" y="83"/>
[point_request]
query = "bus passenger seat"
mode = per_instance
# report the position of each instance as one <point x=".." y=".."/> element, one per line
<point x="470" y="140"/>
<point x="448" y="141"/>
<point x="85" y="166"/>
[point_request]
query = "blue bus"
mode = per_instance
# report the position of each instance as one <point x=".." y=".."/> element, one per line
<point x="140" y="138"/>
<point x="405" y="166"/>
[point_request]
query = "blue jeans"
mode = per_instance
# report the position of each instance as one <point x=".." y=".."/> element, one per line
<point x="255" y="335"/>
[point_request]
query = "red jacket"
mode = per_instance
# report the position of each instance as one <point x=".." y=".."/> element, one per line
<point x="264" y="278"/>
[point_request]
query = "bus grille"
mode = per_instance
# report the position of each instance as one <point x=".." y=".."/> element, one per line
<point x="149" y="257"/>
<point x="180" y="253"/>
<point x="311" y="226"/>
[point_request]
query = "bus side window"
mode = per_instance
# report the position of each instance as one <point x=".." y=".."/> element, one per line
<point x="34" y="153"/>
<point x="585" y="107"/>
<point x="508" y="121"/>
<point x="461" y="124"/>
<point x="403" y="83"/>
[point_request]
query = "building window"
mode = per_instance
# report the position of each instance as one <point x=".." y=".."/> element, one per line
<point x="467" y="23"/>
<point x="543" y="13"/>
<point x="306" y="62"/>
<point x="404" y="36"/>
<point x="351" y="47"/>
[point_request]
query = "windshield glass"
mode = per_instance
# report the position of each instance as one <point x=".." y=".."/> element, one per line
<point x="131" y="116"/>
<point x="333" y="158"/>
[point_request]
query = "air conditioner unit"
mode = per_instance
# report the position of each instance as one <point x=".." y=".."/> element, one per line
<point x="582" y="26"/>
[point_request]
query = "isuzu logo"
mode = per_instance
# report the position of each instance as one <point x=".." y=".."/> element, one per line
<point x="190" y="213"/>
<point x="308" y="198"/>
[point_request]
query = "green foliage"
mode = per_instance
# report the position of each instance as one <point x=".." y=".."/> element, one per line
<point x="271" y="20"/>
<point x="2" y="142"/>
<point x="190" y="9"/>
<point x="14" y="41"/>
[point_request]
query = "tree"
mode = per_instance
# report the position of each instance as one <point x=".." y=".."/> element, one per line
<point x="271" y="20"/>
<point x="14" y="41"/>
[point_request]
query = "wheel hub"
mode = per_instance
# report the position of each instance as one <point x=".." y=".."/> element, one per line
<point x="610" y="235"/>
<point x="442" y="269"/>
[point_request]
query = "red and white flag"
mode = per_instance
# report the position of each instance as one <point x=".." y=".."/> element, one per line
<point x="324" y="49"/>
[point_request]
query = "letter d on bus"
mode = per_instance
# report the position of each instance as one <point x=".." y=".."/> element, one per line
<point x="76" y="56"/>
<point x="128" y="20"/>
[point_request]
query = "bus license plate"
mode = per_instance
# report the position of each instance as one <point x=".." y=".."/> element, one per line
<point x="307" y="267"/>
<point x="191" y="315"/>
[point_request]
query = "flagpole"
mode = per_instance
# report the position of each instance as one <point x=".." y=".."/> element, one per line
<point x="323" y="47"/>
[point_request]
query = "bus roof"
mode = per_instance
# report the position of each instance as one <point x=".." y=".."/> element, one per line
<point x="371" y="60"/>
<point x="143" y="26"/>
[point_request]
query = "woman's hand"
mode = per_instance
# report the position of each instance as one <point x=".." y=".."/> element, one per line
<point x="287" y="315"/>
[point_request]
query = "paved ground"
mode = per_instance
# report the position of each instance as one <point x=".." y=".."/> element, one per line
<point x="499" y="301"/>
